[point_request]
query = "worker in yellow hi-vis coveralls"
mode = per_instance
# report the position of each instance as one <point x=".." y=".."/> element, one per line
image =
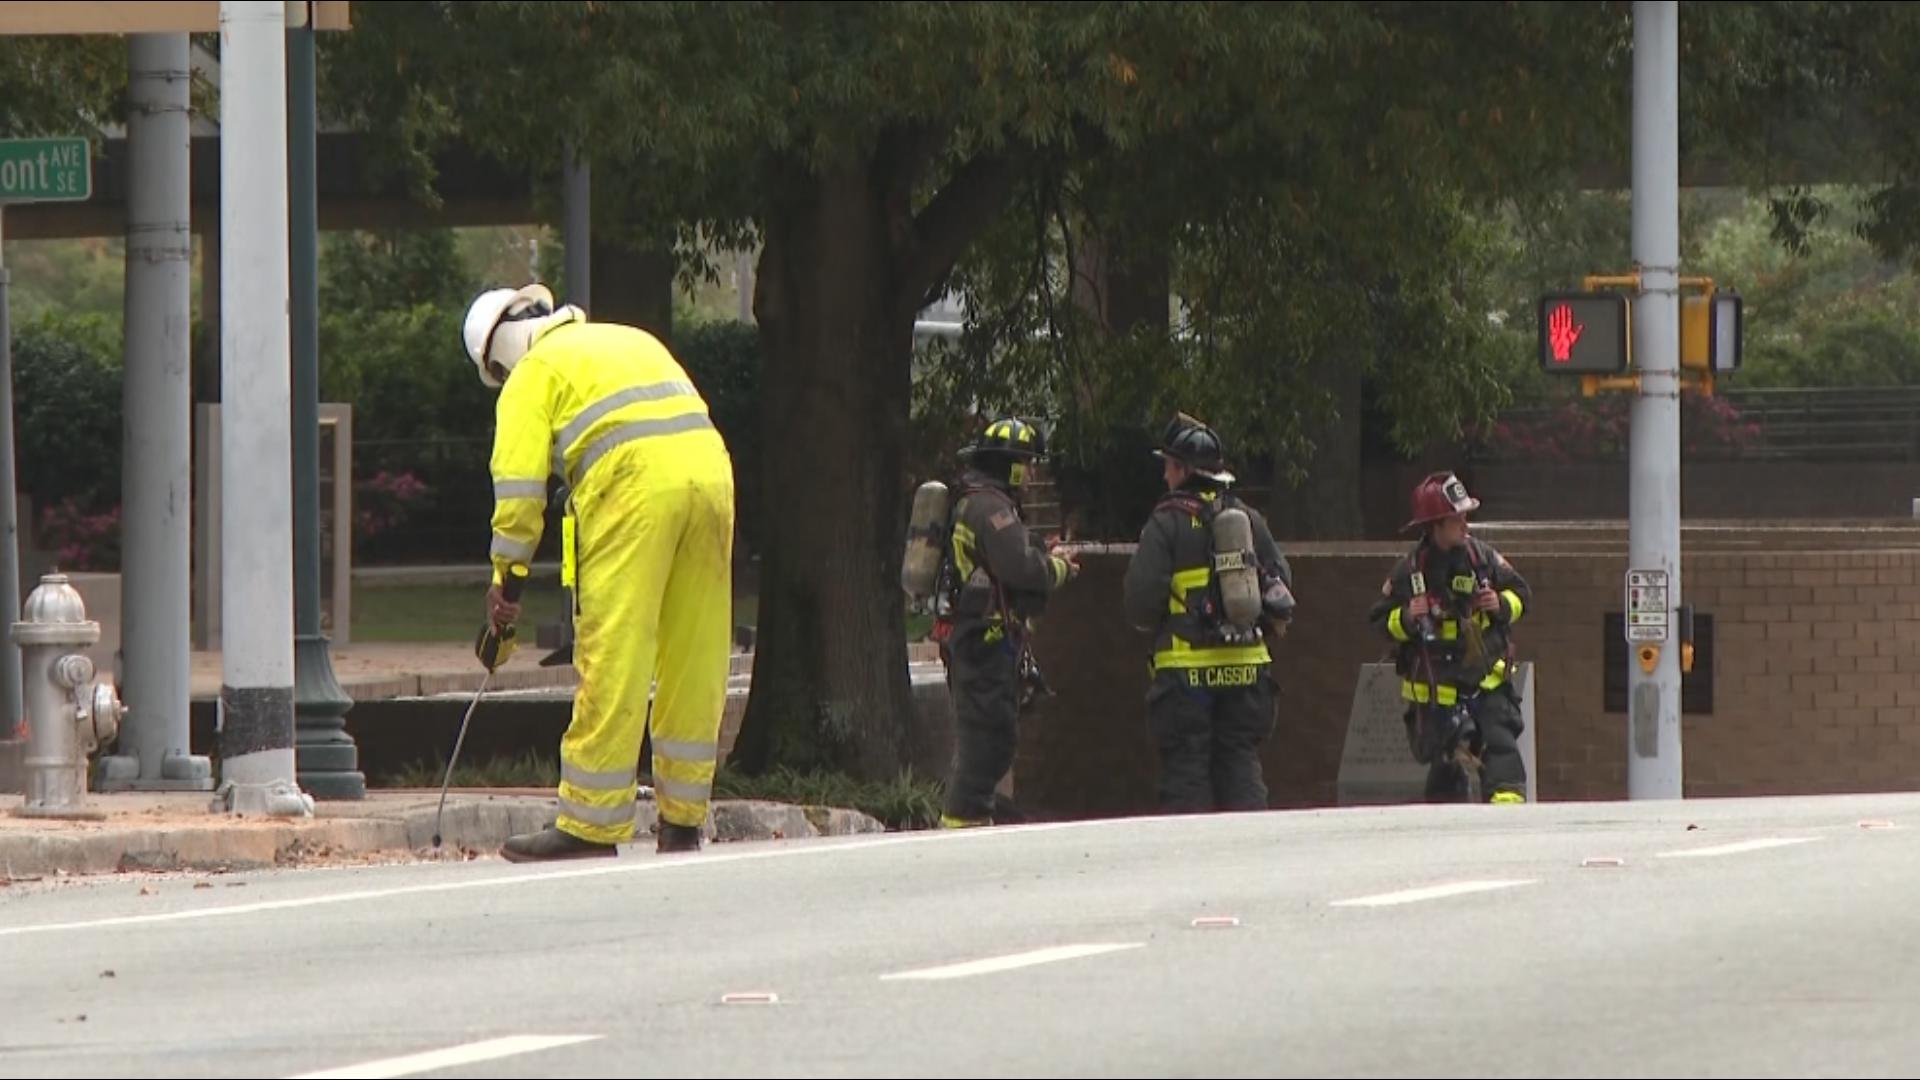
<point x="648" y="551"/>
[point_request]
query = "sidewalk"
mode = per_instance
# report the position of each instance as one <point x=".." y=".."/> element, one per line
<point x="178" y="831"/>
<point x="381" y="671"/>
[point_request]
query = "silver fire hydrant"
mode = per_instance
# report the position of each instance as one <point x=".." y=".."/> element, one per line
<point x="69" y="715"/>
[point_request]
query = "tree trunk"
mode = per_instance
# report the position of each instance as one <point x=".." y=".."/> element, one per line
<point x="1326" y="506"/>
<point x="633" y="287"/>
<point x="1125" y="282"/>
<point x="830" y="686"/>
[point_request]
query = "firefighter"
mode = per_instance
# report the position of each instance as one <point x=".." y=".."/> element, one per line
<point x="1450" y="605"/>
<point x="648" y="551"/>
<point x="998" y="578"/>
<point x="1213" y="698"/>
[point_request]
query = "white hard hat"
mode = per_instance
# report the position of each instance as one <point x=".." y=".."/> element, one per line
<point x="486" y="314"/>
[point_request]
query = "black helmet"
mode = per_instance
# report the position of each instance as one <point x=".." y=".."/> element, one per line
<point x="1197" y="446"/>
<point x="1013" y="437"/>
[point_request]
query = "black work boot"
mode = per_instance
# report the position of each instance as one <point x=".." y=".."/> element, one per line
<point x="550" y="844"/>
<point x="678" y="839"/>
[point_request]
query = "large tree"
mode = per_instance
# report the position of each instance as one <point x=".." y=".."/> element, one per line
<point x="1304" y="172"/>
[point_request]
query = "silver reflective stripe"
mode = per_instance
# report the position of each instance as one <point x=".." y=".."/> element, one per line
<point x="682" y="790"/>
<point x="634" y="432"/>
<point x="615" y="780"/>
<point x="653" y="392"/>
<point x="505" y="547"/>
<point x="692" y="753"/>
<point x="598" y="815"/>
<point x="520" y="489"/>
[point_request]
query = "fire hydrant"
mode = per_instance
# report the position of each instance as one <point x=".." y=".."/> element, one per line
<point x="69" y="715"/>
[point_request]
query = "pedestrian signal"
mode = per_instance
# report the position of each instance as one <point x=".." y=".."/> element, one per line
<point x="1585" y="334"/>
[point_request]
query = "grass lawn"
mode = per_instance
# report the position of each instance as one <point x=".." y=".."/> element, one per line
<point x="440" y="612"/>
<point x="454" y="612"/>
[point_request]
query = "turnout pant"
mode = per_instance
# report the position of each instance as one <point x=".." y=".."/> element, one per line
<point x="984" y="680"/>
<point x="655" y="591"/>
<point x="1502" y="769"/>
<point x="1210" y="724"/>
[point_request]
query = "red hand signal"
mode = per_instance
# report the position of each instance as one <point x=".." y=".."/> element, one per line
<point x="1562" y="333"/>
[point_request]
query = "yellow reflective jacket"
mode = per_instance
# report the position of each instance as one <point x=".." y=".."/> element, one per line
<point x="583" y="390"/>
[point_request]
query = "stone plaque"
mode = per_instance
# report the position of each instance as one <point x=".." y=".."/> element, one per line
<point x="1377" y="766"/>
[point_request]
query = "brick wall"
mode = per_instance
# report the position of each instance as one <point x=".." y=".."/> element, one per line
<point x="1816" y="677"/>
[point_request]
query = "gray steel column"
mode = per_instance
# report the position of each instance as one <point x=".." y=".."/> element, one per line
<point x="157" y="469"/>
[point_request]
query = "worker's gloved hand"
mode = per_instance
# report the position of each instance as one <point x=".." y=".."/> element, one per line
<point x="501" y="612"/>
<point x="496" y="641"/>
<point x="494" y="646"/>
<point x="1276" y="600"/>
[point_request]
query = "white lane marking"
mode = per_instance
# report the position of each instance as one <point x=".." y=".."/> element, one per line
<point x="470" y="1054"/>
<point x="1431" y="892"/>
<point x="600" y="869"/>
<point x="1216" y="922"/>
<point x="997" y="964"/>
<point x="1740" y="848"/>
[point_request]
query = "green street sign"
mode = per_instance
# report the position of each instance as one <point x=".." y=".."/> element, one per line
<point x="45" y="170"/>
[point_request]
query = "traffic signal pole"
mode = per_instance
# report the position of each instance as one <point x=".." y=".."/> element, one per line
<point x="1653" y="677"/>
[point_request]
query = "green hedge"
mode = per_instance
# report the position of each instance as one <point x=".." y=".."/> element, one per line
<point x="423" y="426"/>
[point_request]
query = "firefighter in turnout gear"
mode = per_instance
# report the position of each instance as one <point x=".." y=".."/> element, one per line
<point x="1211" y="584"/>
<point x="996" y="578"/>
<point x="647" y="548"/>
<point x="1450" y="606"/>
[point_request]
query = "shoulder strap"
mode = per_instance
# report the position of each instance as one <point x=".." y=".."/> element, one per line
<point x="1187" y="503"/>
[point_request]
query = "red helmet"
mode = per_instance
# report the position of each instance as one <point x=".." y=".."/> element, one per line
<point x="1440" y="495"/>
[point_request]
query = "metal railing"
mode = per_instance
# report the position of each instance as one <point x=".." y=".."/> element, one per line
<point x="1788" y="424"/>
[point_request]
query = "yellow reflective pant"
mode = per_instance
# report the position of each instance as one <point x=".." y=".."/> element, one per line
<point x="655" y="528"/>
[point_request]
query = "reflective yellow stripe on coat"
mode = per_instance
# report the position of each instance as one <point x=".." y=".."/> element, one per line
<point x="1420" y="691"/>
<point x="583" y="390"/>
<point x="1181" y="653"/>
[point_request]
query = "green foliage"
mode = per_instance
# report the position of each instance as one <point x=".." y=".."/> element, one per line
<point x="364" y="272"/>
<point x="1823" y="307"/>
<point x="71" y="277"/>
<point x="67" y="402"/>
<point x="404" y="371"/>
<point x="1324" y="232"/>
<point x="60" y="85"/>
<point x="391" y="307"/>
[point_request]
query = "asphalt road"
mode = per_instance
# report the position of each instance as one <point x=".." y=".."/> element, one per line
<point x="1734" y="938"/>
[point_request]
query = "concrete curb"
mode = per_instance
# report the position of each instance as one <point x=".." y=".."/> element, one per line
<point x="475" y="825"/>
